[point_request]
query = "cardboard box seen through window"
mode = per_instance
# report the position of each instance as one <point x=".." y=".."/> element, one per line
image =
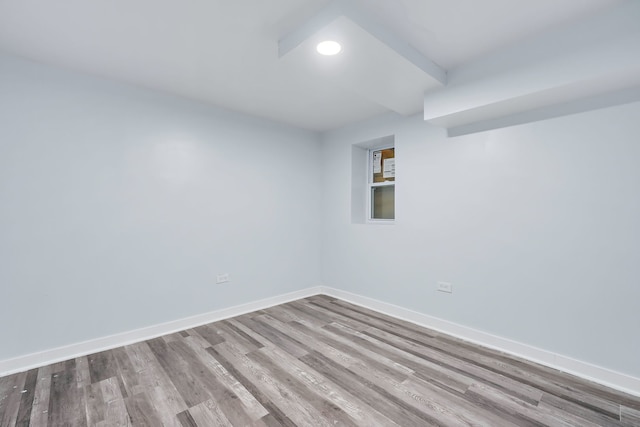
<point x="384" y="165"/>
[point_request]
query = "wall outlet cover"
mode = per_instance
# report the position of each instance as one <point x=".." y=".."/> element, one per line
<point x="222" y="278"/>
<point x="445" y="287"/>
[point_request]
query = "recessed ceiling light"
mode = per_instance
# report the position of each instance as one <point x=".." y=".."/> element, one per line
<point x="328" y="47"/>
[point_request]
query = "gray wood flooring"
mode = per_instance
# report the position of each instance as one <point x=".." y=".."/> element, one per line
<point x="313" y="362"/>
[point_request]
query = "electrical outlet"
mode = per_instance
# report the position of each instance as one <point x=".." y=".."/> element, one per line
<point x="222" y="278"/>
<point x="445" y="287"/>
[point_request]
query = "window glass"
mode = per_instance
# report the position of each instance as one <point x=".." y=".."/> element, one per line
<point x="384" y="165"/>
<point x="382" y="176"/>
<point x="383" y="202"/>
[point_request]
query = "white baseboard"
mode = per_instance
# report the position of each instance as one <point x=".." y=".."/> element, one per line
<point x="604" y="376"/>
<point x="59" y="354"/>
<point x="607" y="377"/>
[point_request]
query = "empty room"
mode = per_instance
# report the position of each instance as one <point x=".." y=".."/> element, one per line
<point x="202" y="222"/>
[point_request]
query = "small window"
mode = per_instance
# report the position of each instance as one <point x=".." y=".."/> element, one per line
<point x="381" y="184"/>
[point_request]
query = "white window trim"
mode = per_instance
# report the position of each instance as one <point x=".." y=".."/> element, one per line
<point x="370" y="185"/>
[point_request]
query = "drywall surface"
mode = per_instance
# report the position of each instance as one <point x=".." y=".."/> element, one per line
<point x="537" y="228"/>
<point x="118" y="207"/>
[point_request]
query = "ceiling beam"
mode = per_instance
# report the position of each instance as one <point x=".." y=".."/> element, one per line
<point x="610" y="99"/>
<point x="350" y="10"/>
<point x="556" y="73"/>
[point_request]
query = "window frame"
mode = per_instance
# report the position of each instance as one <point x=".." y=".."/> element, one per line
<point x="370" y="185"/>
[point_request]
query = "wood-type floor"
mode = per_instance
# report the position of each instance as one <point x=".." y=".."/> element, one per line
<point x="313" y="362"/>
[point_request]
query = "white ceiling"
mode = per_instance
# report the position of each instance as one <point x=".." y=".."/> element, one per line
<point x="225" y="52"/>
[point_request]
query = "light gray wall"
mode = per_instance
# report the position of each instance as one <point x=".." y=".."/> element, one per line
<point x="536" y="226"/>
<point x="118" y="206"/>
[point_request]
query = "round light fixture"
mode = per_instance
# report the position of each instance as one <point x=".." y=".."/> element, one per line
<point x="328" y="47"/>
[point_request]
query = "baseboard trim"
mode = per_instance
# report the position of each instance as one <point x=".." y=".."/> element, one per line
<point x="598" y="374"/>
<point x="59" y="354"/>
<point x="604" y="376"/>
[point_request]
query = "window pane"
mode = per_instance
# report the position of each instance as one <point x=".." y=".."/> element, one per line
<point x="383" y="168"/>
<point x="383" y="202"/>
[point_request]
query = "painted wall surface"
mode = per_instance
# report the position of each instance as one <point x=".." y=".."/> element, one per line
<point x="118" y="206"/>
<point x="537" y="227"/>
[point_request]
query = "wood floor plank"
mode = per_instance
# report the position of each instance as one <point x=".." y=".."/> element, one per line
<point x="193" y="336"/>
<point x="270" y="421"/>
<point x="178" y="371"/>
<point x="126" y="372"/>
<point x="306" y="316"/>
<point x="140" y="356"/>
<point x="451" y="407"/>
<point x="498" y="365"/>
<point x="153" y="379"/>
<point x="66" y="400"/>
<point x="328" y="403"/>
<point x="28" y="396"/>
<point x="629" y="416"/>
<point x="411" y="352"/>
<point x="114" y="408"/>
<point x="236" y="329"/>
<point x="253" y="389"/>
<point x="316" y="341"/>
<point x="210" y="333"/>
<point x="295" y="407"/>
<point x="140" y="410"/>
<point x="507" y="412"/>
<point x="10" y="398"/>
<point x="494" y="397"/>
<point x="326" y="408"/>
<point x="186" y="420"/>
<point x="102" y="366"/>
<point x="324" y="345"/>
<point x="250" y="404"/>
<point x="434" y="370"/>
<point x="355" y="316"/>
<point x="533" y="379"/>
<point x="240" y="341"/>
<point x="257" y="340"/>
<point x="225" y="397"/>
<point x="209" y="414"/>
<point x="83" y="375"/>
<point x="283" y="314"/>
<point x="95" y="404"/>
<point x="581" y="411"/>
<point x="402" y="325"/>
<point x="352" y="405"/>
<point x="314" y="362"/>
<point x="276" y="338"/>
<point x="164" y="406"/>
<point x="392" y="387"/>
<point x="374" y="395"/>
<point x="40" y="409"/>
<point x="328" y="316"/>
